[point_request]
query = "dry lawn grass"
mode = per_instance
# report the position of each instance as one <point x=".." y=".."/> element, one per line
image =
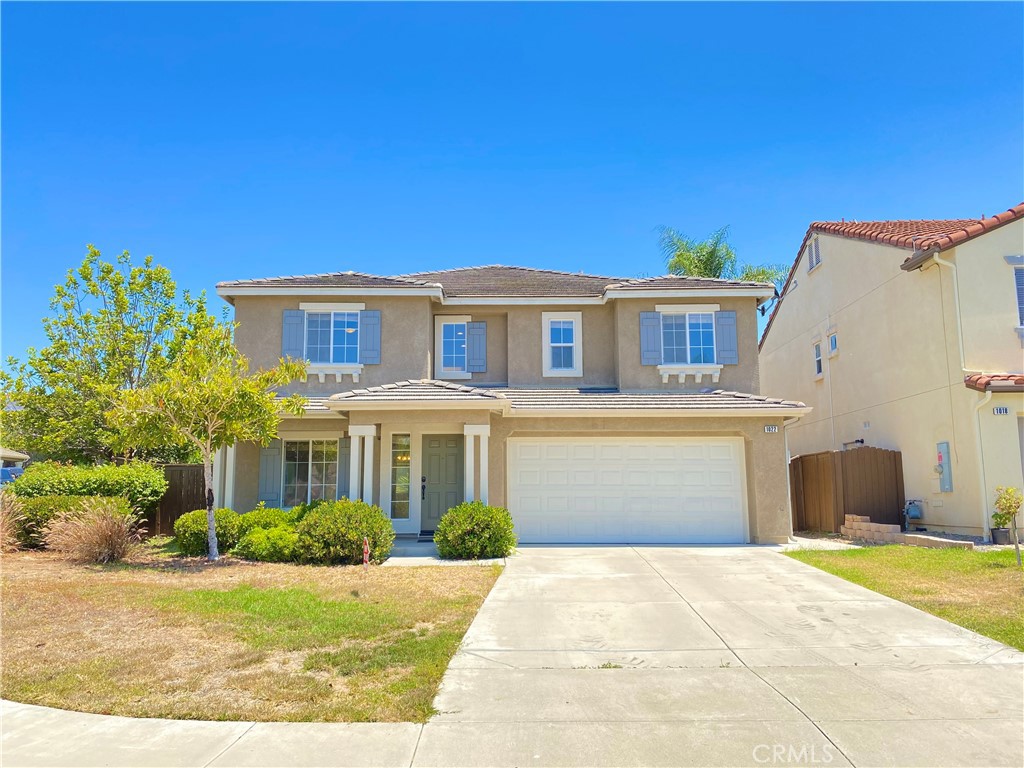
<point x="982" y="591"/>
<point x="234" y="640"/>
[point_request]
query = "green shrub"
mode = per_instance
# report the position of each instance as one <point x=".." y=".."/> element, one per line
<point x="299" y="511"/>
<point x="190" y="531"/>
<point x="39" y="511"/>
<point x="473" y="530"/>
<point x="332" y="533"/>
<point x="269" y="545"/>
<point x="141" y="483"/>
<point x="264" y="517"/>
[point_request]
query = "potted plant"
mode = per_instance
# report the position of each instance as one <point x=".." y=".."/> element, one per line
<point x="1004" y="519"/>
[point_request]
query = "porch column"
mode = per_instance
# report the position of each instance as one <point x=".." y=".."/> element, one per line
<point x="472" y="431"/>
<point x="468" y="453"/>
<point x="365" y="490"/>
<point x="354" y="450"/>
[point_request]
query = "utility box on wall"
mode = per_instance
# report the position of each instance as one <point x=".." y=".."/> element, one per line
<point x="944" y="467"/>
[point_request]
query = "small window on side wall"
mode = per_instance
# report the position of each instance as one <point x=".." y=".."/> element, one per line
<point x="833" y="344"/>
<point x="819" y="369"/>
<point x="813" y="254"/>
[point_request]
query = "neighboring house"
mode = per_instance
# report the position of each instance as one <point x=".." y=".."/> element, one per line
<point x="908" y="335"/>
<point x="12" y="458"/>
<point x="596" y="409"/>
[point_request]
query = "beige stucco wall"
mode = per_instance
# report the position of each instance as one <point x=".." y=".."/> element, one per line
<point x="896" y="381"/>
<point x="526" y="350"/>
<point x="633" y="376"/>
<point x="406" y="338"/>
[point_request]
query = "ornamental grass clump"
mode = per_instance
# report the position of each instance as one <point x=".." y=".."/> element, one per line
<point x="99" y="530"/>
<point x="11" y="516"/>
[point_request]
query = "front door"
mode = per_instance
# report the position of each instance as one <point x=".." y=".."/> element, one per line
<point x="441" y="485"/>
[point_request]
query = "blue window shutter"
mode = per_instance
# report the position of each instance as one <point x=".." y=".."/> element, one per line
<point x="727" y="350"/>
<point x="476" y="347"/>
<point x="292" y="342"/>
<point x="270" y="474"/>
<point x="369" y="337"/>
<point x="650" y="338"/>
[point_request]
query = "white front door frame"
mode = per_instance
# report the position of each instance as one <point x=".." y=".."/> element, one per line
<point x="416" y="434"/>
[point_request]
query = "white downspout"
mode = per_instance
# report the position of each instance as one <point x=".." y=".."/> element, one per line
<point x="956" y="303"/>
<point x="981" y="459"/>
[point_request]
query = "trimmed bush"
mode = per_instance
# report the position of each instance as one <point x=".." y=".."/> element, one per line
<point x="473" y="530"/>
<point x="98" y="530"/>
<point x="39" y="511"/>
<point x="269" y="545"/>
<point x="264" y="517"/>
<point x="190" y="531"/>
<point x="332" y="533"/>
<point x="299" y="511"/>
<point x="141" y="483"/>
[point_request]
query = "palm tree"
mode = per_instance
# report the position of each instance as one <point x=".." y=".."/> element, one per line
<point x="713" y="257"/>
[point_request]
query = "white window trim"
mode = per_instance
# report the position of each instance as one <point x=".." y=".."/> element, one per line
<point x="310" y="438"/>
<point x="577" y="344"/>
<point x="439" y="322"/>
<point x="322" y="370"/>
<point x="682" y="370"/>
<point x="818" y="356"/>
<point x="828" y="343"/>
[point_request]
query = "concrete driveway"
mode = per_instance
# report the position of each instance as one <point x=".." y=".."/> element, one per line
<point x="716" y="656"/>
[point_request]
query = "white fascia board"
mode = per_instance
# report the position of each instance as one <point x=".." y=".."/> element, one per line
<point x="689" y="293"/>
<point x="662" y="412"/>
<point x="520" y="300"/>
<point x="227" y="292"/>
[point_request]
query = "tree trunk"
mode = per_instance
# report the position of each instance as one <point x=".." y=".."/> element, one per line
<point x="211" y="525"/>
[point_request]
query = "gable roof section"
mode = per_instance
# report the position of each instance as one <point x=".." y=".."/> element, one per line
<point x="418" y="391"/>
<point x="491" y="281"/>
<point x="923" y="237"/>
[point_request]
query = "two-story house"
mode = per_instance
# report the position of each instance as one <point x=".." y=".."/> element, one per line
<point x="596" y="409"/>
<point x="907" y="335"/>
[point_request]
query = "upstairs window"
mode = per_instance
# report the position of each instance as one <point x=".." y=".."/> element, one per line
<point x="688" y="338"/>
<point x="819" y="369"/>
<point x="563" y="343"/>
<point x="451" y="351"/>
<point x="833" y="344"/>
<point x="332" y="337"/>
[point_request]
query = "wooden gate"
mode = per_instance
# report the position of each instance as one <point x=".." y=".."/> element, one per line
<point x="185" y="487"/>
<point x="825" y="487"/>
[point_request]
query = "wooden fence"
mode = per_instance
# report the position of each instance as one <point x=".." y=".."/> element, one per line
<point x="825" y="487"/>
<point x="185" y="488"/>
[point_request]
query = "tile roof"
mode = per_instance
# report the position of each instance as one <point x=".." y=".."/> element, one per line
<point x="419" y="390"/>
<point x="920" y="235"/>
<point x="348" y="279"/>
<point x="613" y="399"/>
<point x="493" y="280"/>
<point x="431" y="390"/>
<point x="995" y="382"/>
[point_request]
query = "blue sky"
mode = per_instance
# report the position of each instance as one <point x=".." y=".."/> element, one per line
<point x="247" y="140"/>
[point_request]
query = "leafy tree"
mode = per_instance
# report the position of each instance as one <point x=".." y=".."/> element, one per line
<point x="112" y="328"/>
<point x="713" y="257"/>
<point x="207" y="399"/>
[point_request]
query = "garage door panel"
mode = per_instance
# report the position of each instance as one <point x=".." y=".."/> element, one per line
<point x="634" y="490"/>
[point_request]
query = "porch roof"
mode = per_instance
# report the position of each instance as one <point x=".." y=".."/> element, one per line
<point x="511" y="401"/>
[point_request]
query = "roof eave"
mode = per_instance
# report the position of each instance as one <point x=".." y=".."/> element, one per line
<point x="781" y="412"/>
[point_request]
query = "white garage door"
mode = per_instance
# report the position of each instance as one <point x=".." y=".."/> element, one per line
<point x="628" y="490"/>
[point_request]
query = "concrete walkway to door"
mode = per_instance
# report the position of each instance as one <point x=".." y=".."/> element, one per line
<point x="721" y="656"/>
